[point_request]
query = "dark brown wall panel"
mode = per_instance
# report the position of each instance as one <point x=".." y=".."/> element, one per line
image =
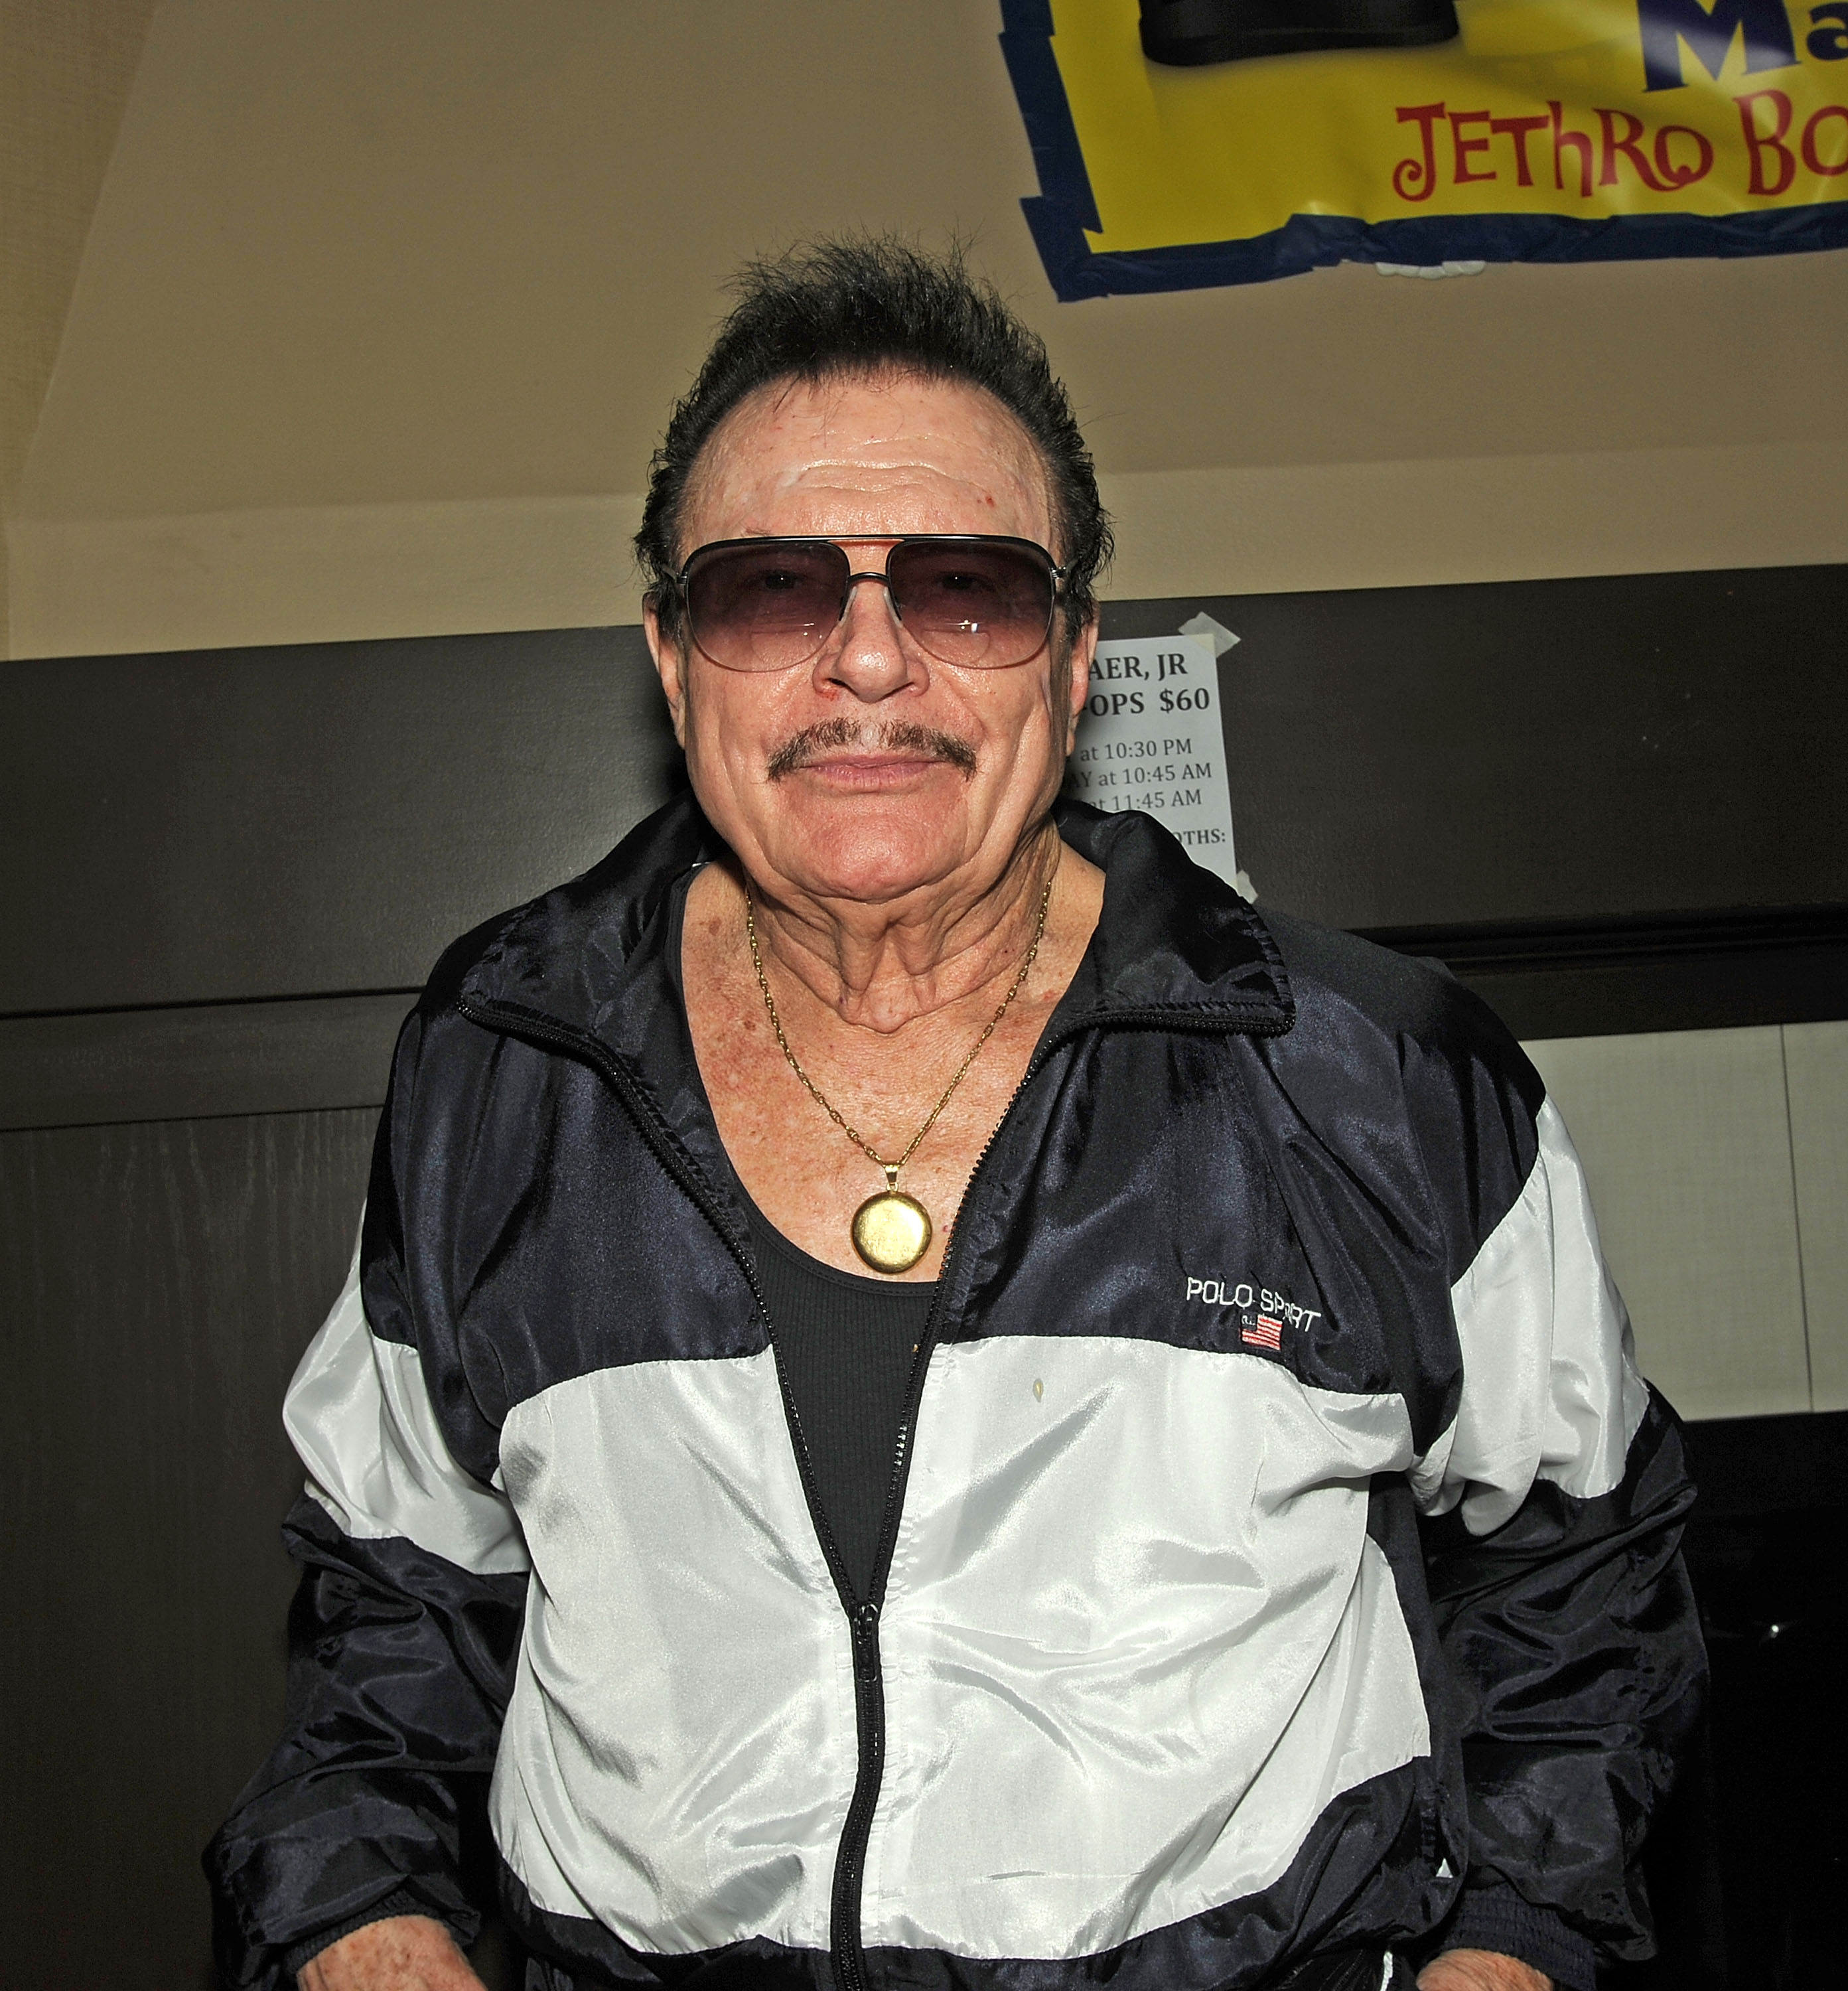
<point x="238" y="824"/>
<point x="95" y="1067"/>
<point x="1537" y="751"/>
<point x="158" y="1284"/>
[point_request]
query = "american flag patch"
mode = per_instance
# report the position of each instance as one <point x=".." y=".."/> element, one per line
<point x="1265" y="1332"/>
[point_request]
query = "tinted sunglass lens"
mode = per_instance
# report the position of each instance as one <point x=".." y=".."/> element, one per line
<point x="973" y="605"/>
<point x="763" y="608"/>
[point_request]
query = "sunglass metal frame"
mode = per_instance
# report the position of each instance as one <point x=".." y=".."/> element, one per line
<point x="681" y="582"/>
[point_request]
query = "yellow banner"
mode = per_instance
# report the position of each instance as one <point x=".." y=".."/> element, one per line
<point x="1545" y="130"/>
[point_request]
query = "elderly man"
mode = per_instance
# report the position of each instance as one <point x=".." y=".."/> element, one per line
<point x="940" y="1402"/>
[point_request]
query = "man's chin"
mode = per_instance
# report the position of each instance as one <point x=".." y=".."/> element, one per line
<point x="869" y="844"/>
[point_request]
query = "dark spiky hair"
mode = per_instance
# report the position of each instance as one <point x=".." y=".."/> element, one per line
<point x="866" y="305"/>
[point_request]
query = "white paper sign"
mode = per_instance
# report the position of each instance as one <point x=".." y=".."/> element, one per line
<point x="1150" y="740"/>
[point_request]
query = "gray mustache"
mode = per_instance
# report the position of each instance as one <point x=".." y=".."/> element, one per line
<point x="898" y="735"/>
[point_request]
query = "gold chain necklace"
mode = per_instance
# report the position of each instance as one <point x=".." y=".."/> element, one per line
<point x="891" y="1231"/>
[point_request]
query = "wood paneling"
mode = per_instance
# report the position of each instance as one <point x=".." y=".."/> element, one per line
<point x="210" y="1059"/>
<point x="1699" y="972"/>
<point x="160" y="1283"/>
<point x="234" y="825"/>
<point x="1537" y="751"/>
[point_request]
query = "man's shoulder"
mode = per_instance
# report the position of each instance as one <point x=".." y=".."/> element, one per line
<point x="1392" y="1062"/>
<point x="460" y="957"/>
<point x="552" y="944"/>
<point x="1328" y="967"/>
<point x="1347" y="990"/>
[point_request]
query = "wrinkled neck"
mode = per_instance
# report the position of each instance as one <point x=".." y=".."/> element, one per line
<point x="881" y="968"/>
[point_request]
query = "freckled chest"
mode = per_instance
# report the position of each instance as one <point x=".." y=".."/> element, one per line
<point x="800" y="1170"/>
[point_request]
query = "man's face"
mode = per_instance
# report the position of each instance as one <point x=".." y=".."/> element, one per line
<point x="873" y="771"/>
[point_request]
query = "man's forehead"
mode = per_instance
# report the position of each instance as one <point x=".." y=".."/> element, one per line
<point x="857" y="441"/>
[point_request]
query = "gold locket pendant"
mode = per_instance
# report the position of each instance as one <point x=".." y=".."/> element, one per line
<point x="891" y="1231"/>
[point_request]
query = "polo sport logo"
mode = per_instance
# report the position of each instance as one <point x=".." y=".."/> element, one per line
<point x="1263" y="1313"/>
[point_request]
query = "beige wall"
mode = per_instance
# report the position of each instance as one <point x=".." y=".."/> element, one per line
<point x="384" y="301"/>
<point x="65" y="70"/>
<point x="1718" y="1163"/>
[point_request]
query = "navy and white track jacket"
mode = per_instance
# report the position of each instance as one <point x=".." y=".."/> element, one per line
<point x="1281" y="1552"/>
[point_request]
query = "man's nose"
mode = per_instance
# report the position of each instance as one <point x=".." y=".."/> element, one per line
<point x="869" y="654"/>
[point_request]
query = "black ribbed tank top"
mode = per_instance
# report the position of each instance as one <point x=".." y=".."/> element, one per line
<point x="846" y="1344"/>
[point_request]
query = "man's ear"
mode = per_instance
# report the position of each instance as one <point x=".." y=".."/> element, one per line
<point x="1084" y="648"/>
<point x="670" y="666"/>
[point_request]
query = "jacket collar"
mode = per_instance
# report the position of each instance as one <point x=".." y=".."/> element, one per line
<point x="1174" y="945"/>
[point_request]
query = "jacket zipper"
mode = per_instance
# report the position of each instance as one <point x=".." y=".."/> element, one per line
<point x="849" y="1871"/>
<point x="847" y="1952"/>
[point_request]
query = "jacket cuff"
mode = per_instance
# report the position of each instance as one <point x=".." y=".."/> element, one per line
<point x="403" y="1902"/>
<point x="1491" y="1915"/>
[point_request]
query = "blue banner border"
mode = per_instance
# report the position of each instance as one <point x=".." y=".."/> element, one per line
<point x="1065" y="207"/>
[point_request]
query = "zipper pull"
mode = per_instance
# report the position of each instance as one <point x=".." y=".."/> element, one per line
<point x="865" y="1639"/>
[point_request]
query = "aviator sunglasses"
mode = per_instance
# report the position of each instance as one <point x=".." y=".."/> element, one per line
<point x="974" y="599"/>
